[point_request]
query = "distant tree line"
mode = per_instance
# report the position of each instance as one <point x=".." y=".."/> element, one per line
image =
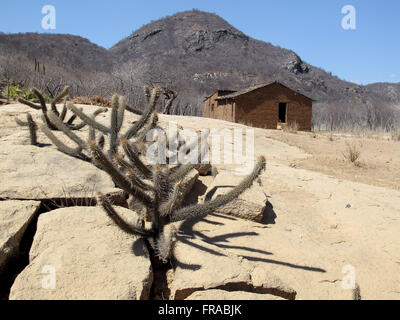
<point x="179" y="95"/>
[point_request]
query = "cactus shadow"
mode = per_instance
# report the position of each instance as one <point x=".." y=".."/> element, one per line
<point x="139" y="248"/>
<point x="187" y="235"/>
<point x="43" y="145"/>
<point x="269" y="214"/>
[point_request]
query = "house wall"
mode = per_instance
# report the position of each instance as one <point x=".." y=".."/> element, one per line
<point x="260" y="108"/>
<point x="207" y="106"/>
<point x="222" y="109"/>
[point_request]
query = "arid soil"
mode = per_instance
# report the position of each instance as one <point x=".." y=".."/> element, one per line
<point x="327" y="220"/>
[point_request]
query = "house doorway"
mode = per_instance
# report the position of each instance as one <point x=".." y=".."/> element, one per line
<point x="282" y="112"/>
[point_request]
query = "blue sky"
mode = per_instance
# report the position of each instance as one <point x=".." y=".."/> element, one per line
<point x="311" y="28"/>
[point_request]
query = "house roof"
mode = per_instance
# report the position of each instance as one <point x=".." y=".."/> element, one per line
<point x="227" y="91"/>
<point x="250" y="89"/>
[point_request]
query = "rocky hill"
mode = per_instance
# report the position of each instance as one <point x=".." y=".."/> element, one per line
<point x="388" y="91"/>
<point x="205" y="49"/>
<point x="193" y="53"/>
<point x="62" y="50"/>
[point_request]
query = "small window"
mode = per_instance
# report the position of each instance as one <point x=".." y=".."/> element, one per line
<point x="282" y="112"/>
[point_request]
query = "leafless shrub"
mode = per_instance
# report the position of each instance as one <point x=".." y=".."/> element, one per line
<point x="352" y="153"/>
<point x="395" y="134"/>
<point x="94" y="101"/>
<point x="291" y="127"/>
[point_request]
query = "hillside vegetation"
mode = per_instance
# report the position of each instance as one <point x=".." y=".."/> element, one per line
<point x="190" y="55"/>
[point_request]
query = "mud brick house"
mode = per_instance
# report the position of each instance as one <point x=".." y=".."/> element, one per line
<point x="269" y="106"/>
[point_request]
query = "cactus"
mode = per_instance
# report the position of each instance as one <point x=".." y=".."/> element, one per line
<point x="45" y="113"/>
<point x="155" y="191"/>
<point x="32" y="128"/>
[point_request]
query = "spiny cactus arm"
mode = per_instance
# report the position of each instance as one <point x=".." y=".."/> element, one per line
<point x="87" y="119"/>
<point x="41" y="99"/>
<point x="133" y="110"/>
<point x="42" y="107"/>
<point x="92" y="131"/>
<point x="21" y="123"/>
<point x="92" y="134"/>
<point x="83" y="124"/>
<point x="136" y="180"/>
<point x="150" y="125"/>
<point x="100" y="158"/>
<point x="114" y="126"/>
<point x="135" y="160"/>
<point x="167" y="207"/>
<point x="128" y="228"/>
<point x="147" y="93"/>
<point x="32" y="129"/>
<point x="161" y="190"/>
<point x="74" y="152"/>
<point x="181" y="172"/>
<point x="78" y="126"/>
<point x="117" y="158"/>
<point x="164" y="244"/>
<point x="155" y="95"/>
<point x="29" y="104"/>
<point x="200" y="210"/>
<point x="58" y="98"/>
<point x="31" y="124"/>
<point x="188" y="147"/>
<point x="62" y="127"/>
<point x="121" y="112"/>
<point x="101" y="142"/>
<point x="64" y="110"/>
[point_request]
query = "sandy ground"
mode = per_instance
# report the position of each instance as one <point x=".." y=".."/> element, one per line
<point x="329" y="214"/>
<point x="324" y="212"/>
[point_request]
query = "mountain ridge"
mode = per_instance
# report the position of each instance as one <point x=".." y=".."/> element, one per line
<point x="194" y="53"/>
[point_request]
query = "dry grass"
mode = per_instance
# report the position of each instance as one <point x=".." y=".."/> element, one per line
<point x="395" y="134"/>
<point x="291" y="127"/>
<point x="95" y="101"/>
<point x="352" y="153"/>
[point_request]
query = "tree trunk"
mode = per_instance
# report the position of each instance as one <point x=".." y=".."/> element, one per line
<point x="8" y="91"/>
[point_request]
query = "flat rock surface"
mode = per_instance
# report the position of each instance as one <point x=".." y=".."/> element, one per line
<point x="250" y="204"/>
<point x="30" y="172"/>
<point x="325" y="221"/>
<point x="15" y="217"/>
<point x="228" y="295"/>
<point x="201" y="266"/>
<point x="89" y="257"/>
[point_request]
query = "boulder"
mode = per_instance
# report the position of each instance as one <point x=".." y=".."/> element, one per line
<point x="33" y="173"/>
<point x="201" y="266"/>
<point x="15" y="217"/>
<point x="264" y="250"/>
<point x="79" y="253"/>
<point x="187" y="184"/>
<point x="230" y="295"/>
<point x="250" y="204"/>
